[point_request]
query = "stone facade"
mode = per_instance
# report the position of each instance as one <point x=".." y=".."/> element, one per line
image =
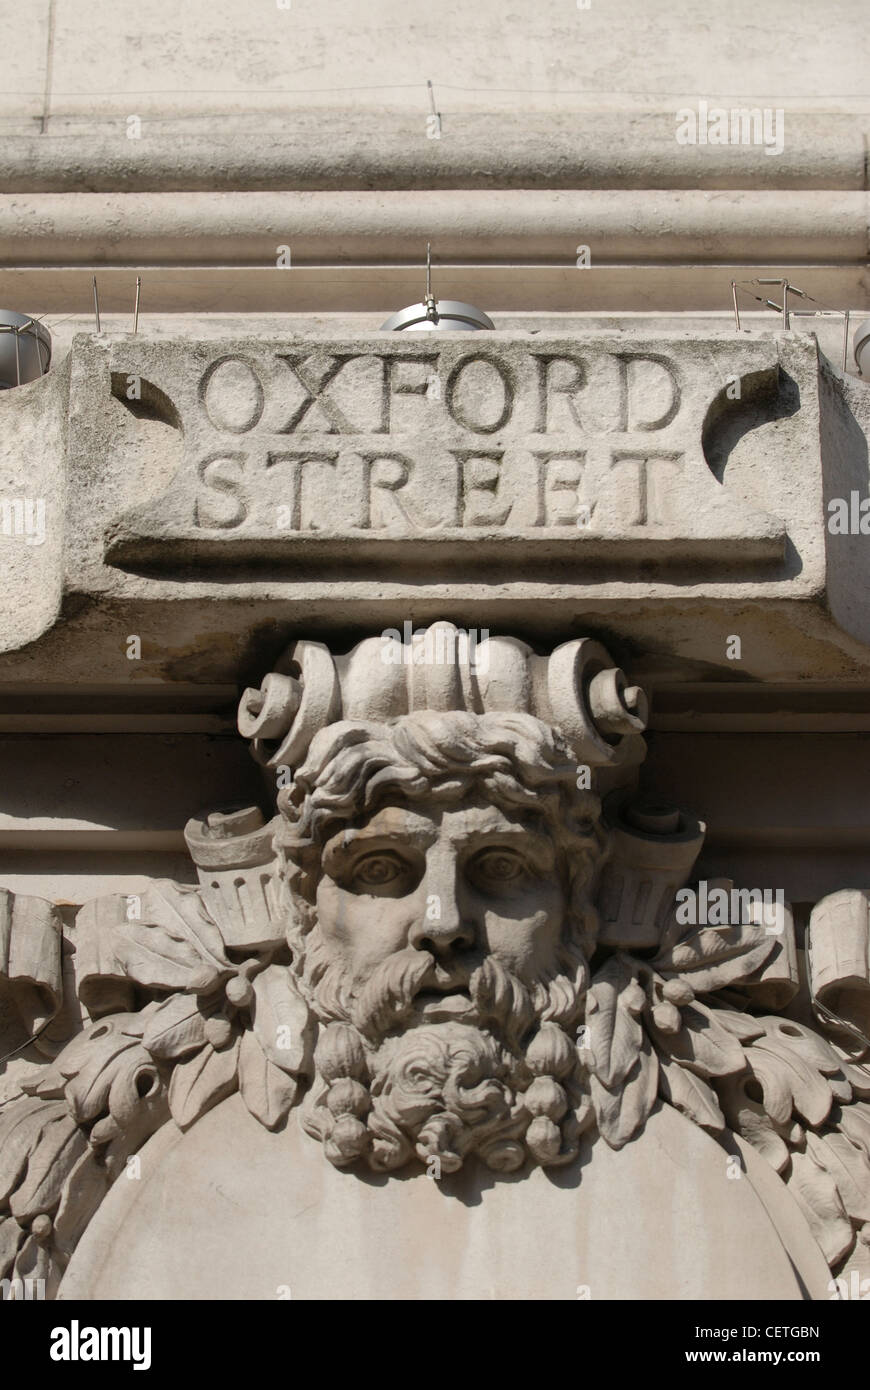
<point x="435" y="762"/>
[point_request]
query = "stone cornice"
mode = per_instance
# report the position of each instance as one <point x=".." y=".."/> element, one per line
<point x="387" y="149"/>
<point x="485" y="226"/>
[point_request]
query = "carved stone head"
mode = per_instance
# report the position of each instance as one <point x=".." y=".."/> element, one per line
<point x="439" y="869"/>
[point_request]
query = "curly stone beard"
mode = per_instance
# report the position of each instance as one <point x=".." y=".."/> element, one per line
<point x="495" y="1073"/>
<point x="390" y="1085"/>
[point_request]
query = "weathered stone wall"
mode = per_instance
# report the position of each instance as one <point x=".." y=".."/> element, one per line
<point x="658" y="515"/>
<point x="195" y="143"/>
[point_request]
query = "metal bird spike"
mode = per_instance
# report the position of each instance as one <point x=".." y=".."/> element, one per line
<point x="430" y="301"/>
<point x="736" y="308"/>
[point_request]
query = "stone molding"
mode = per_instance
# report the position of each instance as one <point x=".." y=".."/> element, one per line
<point x="538" y="227"/>
<point x="387" y="150"/>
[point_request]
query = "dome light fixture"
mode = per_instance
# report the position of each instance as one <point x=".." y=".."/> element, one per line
<point x="438" y="314"/>
<point x="25" y="349"/>
<point x="861" y="348"/>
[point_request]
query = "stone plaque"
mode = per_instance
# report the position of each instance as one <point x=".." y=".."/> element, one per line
<point x="484" y="448"/>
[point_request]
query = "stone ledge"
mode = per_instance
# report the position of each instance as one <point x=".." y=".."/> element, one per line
<point x="388" y="149"/>
<point x="320" y="300"/>
<point x="483" y="225"/>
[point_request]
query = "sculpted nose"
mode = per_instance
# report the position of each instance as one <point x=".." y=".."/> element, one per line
<point x="444" y="927"/>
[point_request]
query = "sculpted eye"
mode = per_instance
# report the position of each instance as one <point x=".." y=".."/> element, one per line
<point x="378" y="870"/>
<point x="499" y="865"/>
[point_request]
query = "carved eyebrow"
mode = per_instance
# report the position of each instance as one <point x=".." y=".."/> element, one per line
<point x="540" y="845"/>
<point x="509" y="828"/>
<point x="368" y="836"/>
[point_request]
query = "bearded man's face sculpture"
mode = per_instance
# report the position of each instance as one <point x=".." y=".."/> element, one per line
<point x="407" y="961"/>
<point x="439" y="869"/>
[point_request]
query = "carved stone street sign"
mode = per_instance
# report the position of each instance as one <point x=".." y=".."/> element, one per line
<point x="359" y="482"/>
<point x="306" y="453"/>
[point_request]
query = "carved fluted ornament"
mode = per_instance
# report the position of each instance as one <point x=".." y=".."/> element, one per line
<point x="576" y="688"/>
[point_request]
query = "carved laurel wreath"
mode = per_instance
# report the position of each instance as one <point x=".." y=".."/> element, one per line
<point x="668" y="1029"/>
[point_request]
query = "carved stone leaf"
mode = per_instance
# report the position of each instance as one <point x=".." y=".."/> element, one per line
<point x="758" y="1130"/>
<point x="282" y="1020"/>
<point x="105" y="1037"/>
<point x="803" y="1042"/>
<point x="855" y="1123"/>
<point x="35" y="1262"/>
<point x="201" y="1081"/>
<point x="710" y="958"/>
<point x="816" y="1194"/>
<point x="613" y="1033"/>
<point x="840" y="1089"/>
<point x="811" y="1095"/>
<point x="20" y="1132"/>
<point x="18" y="1111"/>
<point x="623" y="1110"/>
<point x="703" y="1044"/>
<point x="87" y="1092"/>
<point x="180" y="910"/>
<point x="775" y="1085"/>
<point x="267" y="1091"/>
<point x="690" y="1095"/>
<point x="857" y="1075"/>
<point x="749" y="1118"/>
<point x="49" y="1084"/>
<point x="60" y="1146"/>
<point x="176" y="1028"/>
<point x="155" y="957"/>
<point x="11" y="1236"/>
<point x="134" y="1025"/>
<point x="743" y="1026"/>
<point x="83" y="1192"/>
<point x="137" y="1119"/>
<point x="849" y="1169"/>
